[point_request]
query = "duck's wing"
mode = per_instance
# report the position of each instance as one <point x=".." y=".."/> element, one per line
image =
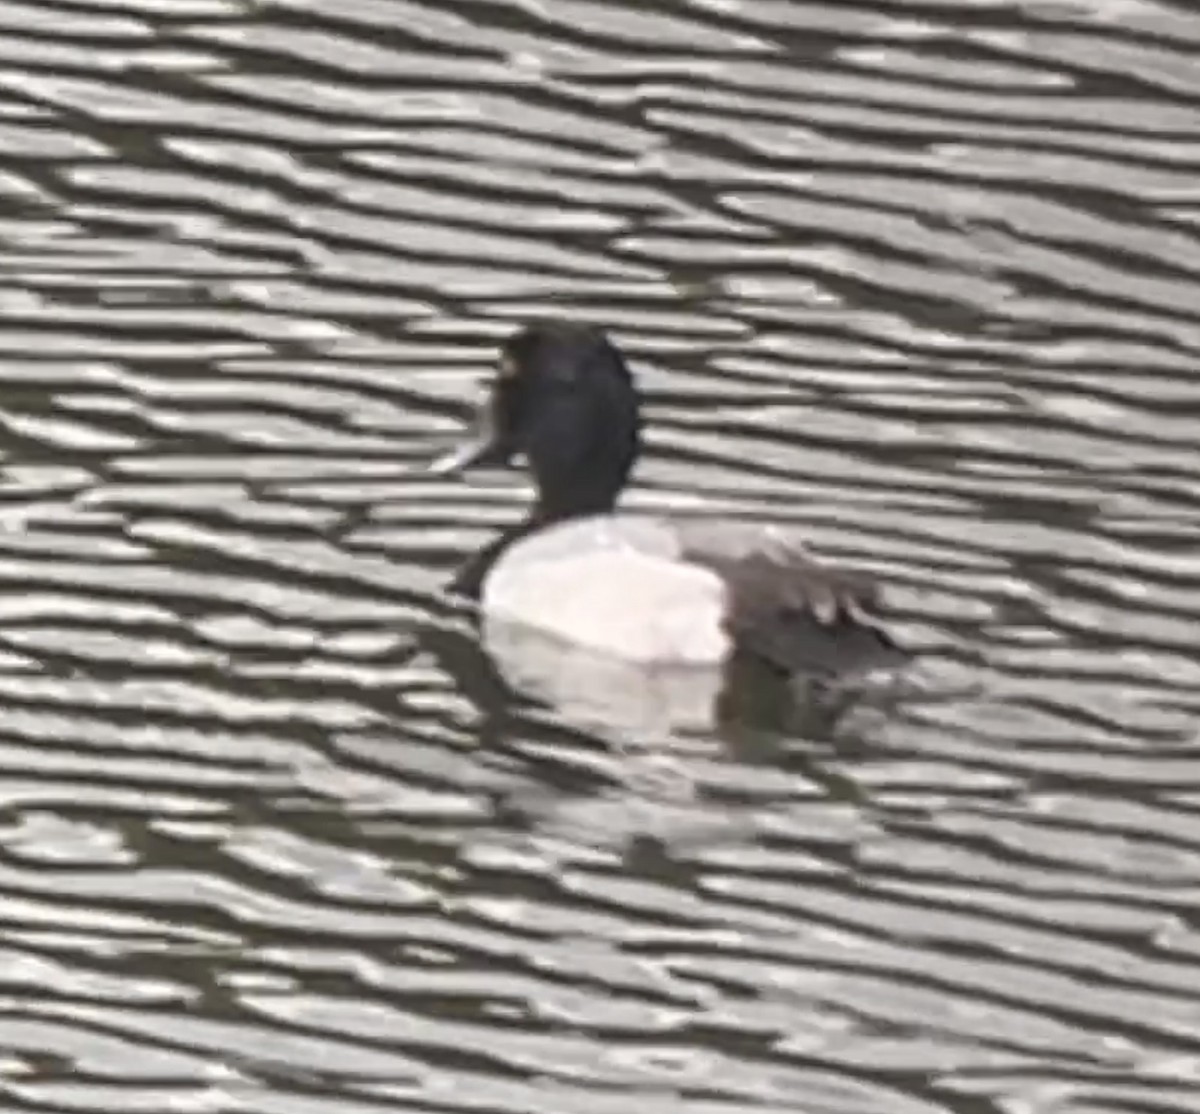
<point x="787" y="606"/>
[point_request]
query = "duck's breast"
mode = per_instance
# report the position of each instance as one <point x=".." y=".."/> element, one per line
<point x="614" y="585"/>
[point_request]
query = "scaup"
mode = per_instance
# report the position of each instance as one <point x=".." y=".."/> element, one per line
<point x="643" y="590"/>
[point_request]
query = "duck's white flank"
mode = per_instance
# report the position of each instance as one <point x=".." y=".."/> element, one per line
<point x="613" y="585"/>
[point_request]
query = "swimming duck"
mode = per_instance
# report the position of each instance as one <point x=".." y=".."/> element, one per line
<point x="657" y="592"/>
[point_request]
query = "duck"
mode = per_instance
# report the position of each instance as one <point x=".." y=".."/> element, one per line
<point x="584" y="576"/>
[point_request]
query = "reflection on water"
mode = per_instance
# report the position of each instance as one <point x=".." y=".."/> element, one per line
<point x="916" y="279"/>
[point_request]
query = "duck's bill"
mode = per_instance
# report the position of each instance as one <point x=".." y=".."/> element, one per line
<point x="481" y="449"/>
<point x="472" y="454"/>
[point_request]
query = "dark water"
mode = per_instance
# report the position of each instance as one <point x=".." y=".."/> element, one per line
<point x="921" y="278"/>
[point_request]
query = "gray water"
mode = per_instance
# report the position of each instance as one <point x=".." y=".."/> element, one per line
<point x="919" y="278"/>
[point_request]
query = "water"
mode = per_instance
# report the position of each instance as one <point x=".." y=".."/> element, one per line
<point x="917" y="278"/>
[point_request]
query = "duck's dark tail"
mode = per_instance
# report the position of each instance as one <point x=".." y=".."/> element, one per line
<point x="802" y="642"/>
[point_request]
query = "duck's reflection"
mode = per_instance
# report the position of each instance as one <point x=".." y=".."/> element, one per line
<point x="606" y="754"/>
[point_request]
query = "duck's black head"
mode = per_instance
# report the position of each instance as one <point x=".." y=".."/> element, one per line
<point x="563" y="398"/>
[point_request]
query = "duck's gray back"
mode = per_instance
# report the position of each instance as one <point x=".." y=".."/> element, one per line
<point x="689" y="591"/>
<point x="785" y="605"/>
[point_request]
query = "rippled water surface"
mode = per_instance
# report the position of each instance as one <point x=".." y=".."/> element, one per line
<point x="920" y="278"/>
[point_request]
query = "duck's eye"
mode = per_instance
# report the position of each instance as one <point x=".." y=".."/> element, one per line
<point x="504" y="391"/>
